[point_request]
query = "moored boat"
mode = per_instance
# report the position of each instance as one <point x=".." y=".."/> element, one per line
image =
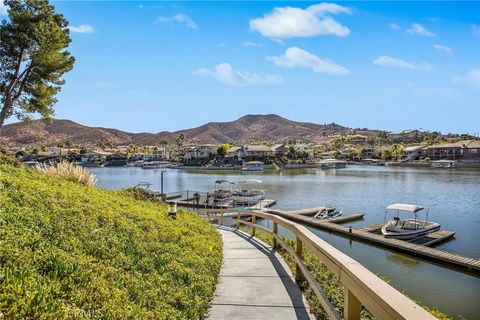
<point x="407" y="229"/>
<point x="333" y="164"/>
<point x="253" y="166"/>
<point x="444" y="164"/>
<point x="328" y="212"/>
<point x="247" y="197"/>
<point x="155" y="164"/>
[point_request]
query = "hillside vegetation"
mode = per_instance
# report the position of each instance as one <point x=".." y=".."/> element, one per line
<point x="68" y="251"/>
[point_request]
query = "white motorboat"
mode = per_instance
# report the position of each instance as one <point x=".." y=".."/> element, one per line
<point x="247" y="197"/>
<point x="328" y="212"/>
<point x="155" y="164"/>
<point x="253" y="166"/>
<point x="333" y="164"/>
<point x="444" y="164"/>
<point x="407" y="229"/>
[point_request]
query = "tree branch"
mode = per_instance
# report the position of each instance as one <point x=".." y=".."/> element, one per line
<point x="15" y="75"/>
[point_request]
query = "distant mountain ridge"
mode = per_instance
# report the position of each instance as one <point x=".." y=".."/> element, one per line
<point x="249" y="128"/>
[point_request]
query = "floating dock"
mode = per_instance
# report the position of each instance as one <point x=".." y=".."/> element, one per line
<point x="370" y="234"/>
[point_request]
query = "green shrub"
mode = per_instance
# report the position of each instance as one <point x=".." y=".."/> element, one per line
<point x="69" y="251"/>
<point x="6" y="158"/>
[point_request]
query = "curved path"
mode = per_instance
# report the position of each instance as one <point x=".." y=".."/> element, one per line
<point x="255" y="283"/>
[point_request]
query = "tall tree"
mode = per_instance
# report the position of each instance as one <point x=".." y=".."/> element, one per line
<point x="33" y="58"/>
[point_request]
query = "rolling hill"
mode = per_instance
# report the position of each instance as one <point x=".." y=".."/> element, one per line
<point x="249" y="128"/>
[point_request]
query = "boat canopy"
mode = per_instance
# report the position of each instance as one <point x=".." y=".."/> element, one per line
<point x="405" y="207"/>
<point x="224" y="181"/>
<point x="250" y="181"/>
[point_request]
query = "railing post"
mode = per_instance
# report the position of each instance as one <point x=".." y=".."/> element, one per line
<point x="254" y="221"/>
<point x="299" y="278"/>
<point x="275" y="232"/>
<point x="351" y="308"/>
<point x="221" y="218"/>
<point x="238" y="220"/>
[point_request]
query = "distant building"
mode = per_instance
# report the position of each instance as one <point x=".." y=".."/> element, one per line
<point x="413" y="152"/>
<point x="201" y="152"/>
<point x="461" y="150"/>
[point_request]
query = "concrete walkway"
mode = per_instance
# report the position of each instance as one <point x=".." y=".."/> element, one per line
<point x="255" y="283"/>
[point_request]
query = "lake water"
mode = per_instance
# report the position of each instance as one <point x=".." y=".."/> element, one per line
<point x="452" y="196"/>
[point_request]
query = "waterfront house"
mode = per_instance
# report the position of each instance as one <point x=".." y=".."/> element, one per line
<point x="413" y="152"/>
<point x="461" y="150"/>
<point x="200" y="153"/>
<point x="257" y="152"/>
<point x="472" y="152"/>
<point x="370" y="152"/>
<point x="280" y="150"/>
<point x="305" y="149"/>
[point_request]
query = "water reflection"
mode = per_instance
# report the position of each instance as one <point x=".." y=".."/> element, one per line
<point x="451" y="196"/>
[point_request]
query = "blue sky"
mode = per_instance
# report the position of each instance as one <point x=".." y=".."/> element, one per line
<point x="154" y="66"/>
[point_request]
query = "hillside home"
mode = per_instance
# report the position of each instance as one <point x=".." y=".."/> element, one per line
<point x="304" y="148"/>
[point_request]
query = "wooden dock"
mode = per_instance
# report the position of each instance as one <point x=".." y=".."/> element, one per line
<point x="421" y="250"/>
<point x="434" y="238"/>
<point x="310" y="212"/>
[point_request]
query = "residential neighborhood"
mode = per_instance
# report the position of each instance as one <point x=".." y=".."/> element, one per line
<point x="355" y="149"/>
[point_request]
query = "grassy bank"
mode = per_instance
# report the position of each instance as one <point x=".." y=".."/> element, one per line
<point x="77" y="252"/>
<point x="328" y="281"/>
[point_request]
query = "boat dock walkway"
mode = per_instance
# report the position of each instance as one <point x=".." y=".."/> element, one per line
<point x="255" y="283"/>
<point x="420" y="247"/>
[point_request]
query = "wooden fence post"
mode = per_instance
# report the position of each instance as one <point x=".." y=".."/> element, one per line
<point x="275" y="231"/>
<point x="254" y="221"/>
<point x="351" y="307"/>
<point x="299" y="278"/>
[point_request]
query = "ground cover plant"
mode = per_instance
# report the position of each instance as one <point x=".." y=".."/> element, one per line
<point x="70" y="251"/>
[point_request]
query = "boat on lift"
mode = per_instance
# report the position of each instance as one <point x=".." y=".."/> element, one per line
<point x="408" y="229"/>
<point x="247" y="197"/>
<point x="253" y="166"/>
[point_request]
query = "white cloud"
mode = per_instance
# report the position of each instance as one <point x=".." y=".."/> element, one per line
<point x="393" y="25"/>
<point x="180" y="18"/>
<point x="296" y="57"/>
<point x="471" y="79"/>
<point x="444" y="49"/>
<point x="386" y="61"/>
<point x="475" y="30"/>
<point x="83" y="28"/>
<point x="3" y="9"/>
<point x="251" y="44"/>
<point x="225" y="74"/>
<point x="418" y="29"/>
<point x="288" y="22"/>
